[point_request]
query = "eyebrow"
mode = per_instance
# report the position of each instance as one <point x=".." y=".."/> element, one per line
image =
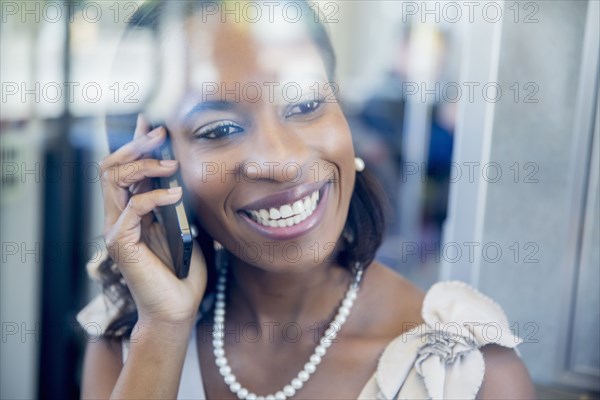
<point x="218" y="105"/>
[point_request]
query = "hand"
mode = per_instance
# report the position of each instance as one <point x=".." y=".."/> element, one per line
<point x="136" y="242"/>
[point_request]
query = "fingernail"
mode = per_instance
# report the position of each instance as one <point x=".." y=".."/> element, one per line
<point x="156" y="132"/>
<point x="175" y="190"/>
<point x="168" y="163"/>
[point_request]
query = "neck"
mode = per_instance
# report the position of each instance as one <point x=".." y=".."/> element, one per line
<point x="303" y="297"/>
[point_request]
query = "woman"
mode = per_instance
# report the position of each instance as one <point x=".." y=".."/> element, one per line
<point x="297" y="307"/>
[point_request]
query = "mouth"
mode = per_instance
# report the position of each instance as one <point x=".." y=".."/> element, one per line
<point x="289" y="220"/>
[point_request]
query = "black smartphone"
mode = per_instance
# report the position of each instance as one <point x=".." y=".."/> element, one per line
<point x="174" y="217"/>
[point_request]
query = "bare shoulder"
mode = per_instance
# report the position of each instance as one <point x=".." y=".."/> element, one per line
<point x="390" y="303"/>
<point x="506" y="376"/>
<point x="101" y="368"/>
<point x="383" y="277"/>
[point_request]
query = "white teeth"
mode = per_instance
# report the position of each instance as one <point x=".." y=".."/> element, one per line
<point x="307" y="204"/>
<point x="288" y="214"/>
<point x="286" y="211"/>
<point x="298" y="207"/>
<point x="274" y="213"/>
<point x="264" y="214"/>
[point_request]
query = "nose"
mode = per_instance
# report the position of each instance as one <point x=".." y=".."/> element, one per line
<point x="278" y="152"/>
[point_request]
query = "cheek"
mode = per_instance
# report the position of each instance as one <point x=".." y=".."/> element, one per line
<point x="206" y="191"/>
<point x="337" y="148"/>
<point x="334" y="142"/>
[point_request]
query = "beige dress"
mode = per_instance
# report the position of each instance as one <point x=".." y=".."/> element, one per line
<point x="439" y="359"/>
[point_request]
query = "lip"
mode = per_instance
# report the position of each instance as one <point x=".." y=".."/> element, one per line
<point x="291" y="232"/>
<point x="289" y="196"/>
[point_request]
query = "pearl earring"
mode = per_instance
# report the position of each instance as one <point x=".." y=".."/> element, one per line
<point x="359" y="164"/>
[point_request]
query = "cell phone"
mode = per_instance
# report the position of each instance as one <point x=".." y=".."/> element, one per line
<point x="174" y="217"/>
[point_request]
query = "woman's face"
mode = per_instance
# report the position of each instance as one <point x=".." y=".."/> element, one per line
<point x="259" y="136"/>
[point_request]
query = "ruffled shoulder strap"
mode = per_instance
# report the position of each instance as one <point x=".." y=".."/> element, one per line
<point x="97" y="315"/>
<point x="440" y="358"/>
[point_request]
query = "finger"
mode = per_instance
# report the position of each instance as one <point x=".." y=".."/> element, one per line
<point x="117" y="179"/>
<point x="123" y="240"/>
<point x="197" y="275"/>
<point x="126" y="232"/>
<point x="135" y="149"/>
<point x="142" y="127"/>
<point x="142" y="204"/>
<point x="125" y="175"/>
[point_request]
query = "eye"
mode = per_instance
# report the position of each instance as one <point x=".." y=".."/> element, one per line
<point x="217" y="130"/>
<point x="304" y="108"/>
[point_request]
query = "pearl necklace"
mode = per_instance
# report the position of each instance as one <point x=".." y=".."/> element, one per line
<point x="309" y="368"/>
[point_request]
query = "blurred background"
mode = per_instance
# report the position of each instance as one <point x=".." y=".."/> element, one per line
<point x="479" y="118"/>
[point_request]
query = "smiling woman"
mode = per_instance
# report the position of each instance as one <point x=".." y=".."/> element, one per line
<point x="270" y="178"/>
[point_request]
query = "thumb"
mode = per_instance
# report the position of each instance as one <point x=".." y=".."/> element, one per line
<point x="197" y="275"/>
